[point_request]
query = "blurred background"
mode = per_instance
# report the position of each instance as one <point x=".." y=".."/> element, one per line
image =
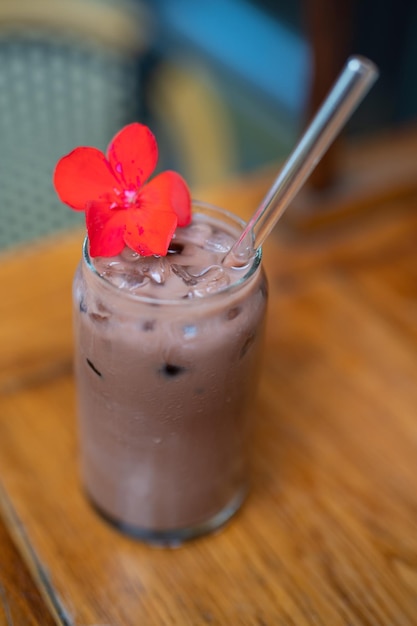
<point x="226" y="85"/>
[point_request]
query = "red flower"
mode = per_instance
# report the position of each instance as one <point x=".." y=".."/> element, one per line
<point x="121" y="207"/>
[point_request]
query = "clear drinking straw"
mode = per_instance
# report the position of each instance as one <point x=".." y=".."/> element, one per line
<point x="355" y="80"/>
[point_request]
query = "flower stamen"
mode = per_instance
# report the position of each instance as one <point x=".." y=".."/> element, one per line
<point x="129" y="196"/>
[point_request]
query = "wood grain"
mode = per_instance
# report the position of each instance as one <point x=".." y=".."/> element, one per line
<point x="20" y="600"/>
<point x="328" y="534"/>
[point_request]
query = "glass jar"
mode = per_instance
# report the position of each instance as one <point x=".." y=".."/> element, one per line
<point x="165" y="398"/>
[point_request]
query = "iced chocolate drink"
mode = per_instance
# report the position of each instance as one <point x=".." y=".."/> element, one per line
<point x="167" y="352"/>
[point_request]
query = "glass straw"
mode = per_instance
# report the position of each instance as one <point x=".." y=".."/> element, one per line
<point x="353" y="83"/>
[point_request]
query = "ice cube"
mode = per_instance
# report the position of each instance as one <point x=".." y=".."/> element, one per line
<point x="131" y="281"/>
<point x="210" y="281"/>
<point x="129" y="255"/>
<point x="182" y="272"/>
<point x="219" y="242"/>
<point x="156" y="269"/>
<point x="131" y="271"/>
<point x="98" y="312"/>
<point x="105" y="264"/>
<point x="195" y="233"/>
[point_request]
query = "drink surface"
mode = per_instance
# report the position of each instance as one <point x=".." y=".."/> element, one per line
<point x="192" y="268"/>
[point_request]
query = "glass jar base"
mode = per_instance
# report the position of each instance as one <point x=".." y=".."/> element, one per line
<point x="173" y="538"/>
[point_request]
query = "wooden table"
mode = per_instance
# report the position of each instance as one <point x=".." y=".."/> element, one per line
<point x="328" y="535"/>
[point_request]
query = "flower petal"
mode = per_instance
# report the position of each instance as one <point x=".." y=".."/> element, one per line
<point x="133" y="155"/>
<point x="105" y="228"/>
<point x="168" y="191"/>
<point x="84" y="176"/>
<point x="148" y="232"/>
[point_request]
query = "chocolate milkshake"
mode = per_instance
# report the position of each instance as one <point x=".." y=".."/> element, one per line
<point x="166" y="359"/>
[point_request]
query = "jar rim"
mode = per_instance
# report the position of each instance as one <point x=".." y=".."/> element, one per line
<point x="205" y="208"/>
